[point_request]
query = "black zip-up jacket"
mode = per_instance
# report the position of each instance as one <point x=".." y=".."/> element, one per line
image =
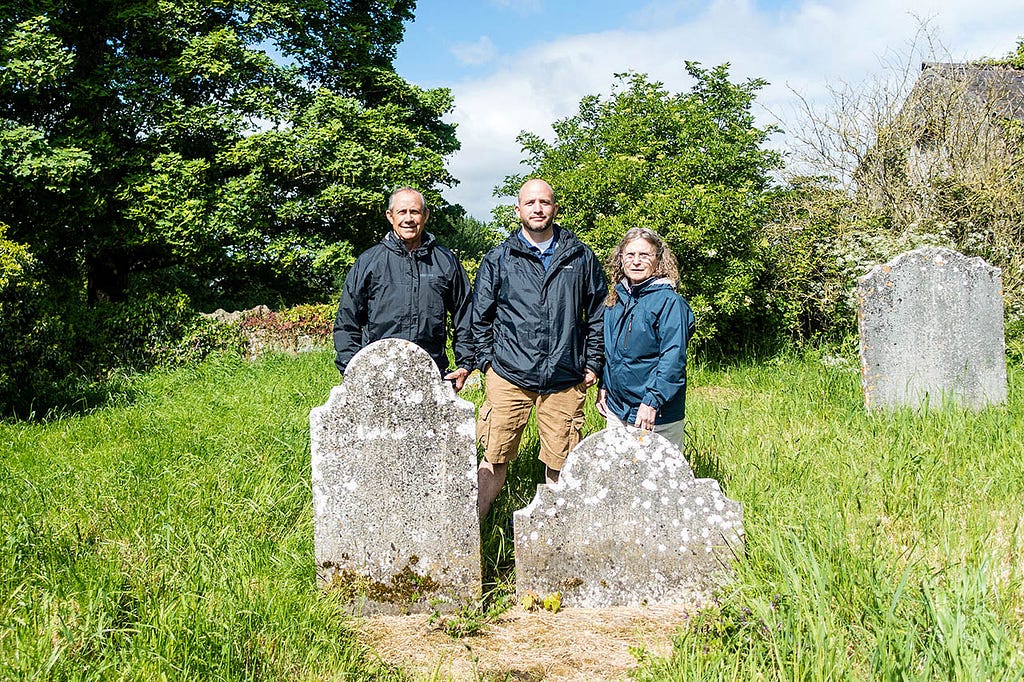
<point x="539" y="329"/>
<point x="392" y="293"/>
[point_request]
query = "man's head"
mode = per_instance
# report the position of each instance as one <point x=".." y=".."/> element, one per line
<point x="407" y="212"/>
<point x="536" y="208"/>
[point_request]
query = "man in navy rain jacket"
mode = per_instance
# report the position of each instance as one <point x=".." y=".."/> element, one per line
<point x="537" y="321"/>
<point x="406" y="287"/>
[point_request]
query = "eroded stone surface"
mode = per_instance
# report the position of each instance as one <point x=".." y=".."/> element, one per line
<point x="931" y="330"/>
<point x="626" y="525"/>
<point x="394" y="485"/>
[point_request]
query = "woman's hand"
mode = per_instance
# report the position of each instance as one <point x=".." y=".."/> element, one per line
<point x="645" y="415"/>
<point x="602" y="402"/>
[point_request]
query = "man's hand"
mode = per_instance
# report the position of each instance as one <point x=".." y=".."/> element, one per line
<point x="645" y="415"/>
<point x="602" y="402"/>
<point x="589" y="379"/>
<point x="458" y="377"/>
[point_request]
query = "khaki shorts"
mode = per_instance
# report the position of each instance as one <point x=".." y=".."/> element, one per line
<point x="506" y="410"/>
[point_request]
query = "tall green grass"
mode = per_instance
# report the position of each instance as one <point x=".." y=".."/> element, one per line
<point x="171" y="536"/>
<point x="168" y="534"/>
<point x="883" y="547"/>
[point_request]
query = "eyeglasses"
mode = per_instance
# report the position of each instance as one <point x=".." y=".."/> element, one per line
<point x="641" y="256"/>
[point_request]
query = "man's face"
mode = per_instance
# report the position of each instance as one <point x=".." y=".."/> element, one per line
<point x="408" y="216"/>
<point x="536" y="208"/>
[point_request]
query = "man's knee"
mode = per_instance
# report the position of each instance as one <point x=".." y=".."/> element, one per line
<point x="494" y="469"/>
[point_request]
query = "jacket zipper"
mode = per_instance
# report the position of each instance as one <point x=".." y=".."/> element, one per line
<point x="631" y="313"/>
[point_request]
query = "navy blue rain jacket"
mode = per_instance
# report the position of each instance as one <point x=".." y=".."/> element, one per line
<point x="392" y="293"/>
<point x="539" y="329"/>
<point x="645" y="334"/>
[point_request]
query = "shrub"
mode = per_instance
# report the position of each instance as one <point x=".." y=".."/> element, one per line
<point x="915" y="158"/>
<point x="28" y="330"/>
<point x="293" y="329"/>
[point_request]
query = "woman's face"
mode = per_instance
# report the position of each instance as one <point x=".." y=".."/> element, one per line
<point x="639" y="260"/>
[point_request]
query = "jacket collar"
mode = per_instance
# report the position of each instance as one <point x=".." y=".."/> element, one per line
<point x="650" y="284"/>
<point x="565" y="242"/>
<point x="392" y="241"/>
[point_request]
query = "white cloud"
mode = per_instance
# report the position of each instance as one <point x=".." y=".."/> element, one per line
<point x="480" y="52"/>
<point x="802" y="48"/>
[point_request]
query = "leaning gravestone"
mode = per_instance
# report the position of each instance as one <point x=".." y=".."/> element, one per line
<point x="626" y="525"/>
<point x="394" y="485"/>
<point x="931" y="330"/>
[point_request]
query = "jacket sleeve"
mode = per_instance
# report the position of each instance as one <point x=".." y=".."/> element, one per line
<point x="461" y="309"/>
<point x="674" y="325"/>
<point x="351" y="317"/>
<point x="484" y="305"/>
<point x="597" y="291"/>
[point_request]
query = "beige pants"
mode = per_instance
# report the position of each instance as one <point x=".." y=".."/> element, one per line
<point x="506" y="410"/>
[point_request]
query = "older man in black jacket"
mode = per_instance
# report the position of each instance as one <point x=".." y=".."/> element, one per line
<point x="405" y="287"/>
<point x="538" y="306"/>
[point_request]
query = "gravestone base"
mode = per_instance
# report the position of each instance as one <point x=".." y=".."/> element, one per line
<point x="627" y="525"/>
<point x="402" y="592"/>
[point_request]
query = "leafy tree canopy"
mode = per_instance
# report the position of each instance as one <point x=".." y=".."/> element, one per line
<point x="691" y="166"/>
<point x="239" y="150"/>
<point x="1014" y="59"/>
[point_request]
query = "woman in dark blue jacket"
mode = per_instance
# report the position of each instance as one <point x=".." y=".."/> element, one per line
<point x="647" y="327"/>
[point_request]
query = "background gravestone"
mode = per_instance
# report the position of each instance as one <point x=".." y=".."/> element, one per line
<point x="626" y="525"/>
<point x="931" y="329"/>
<point x="394" y="485"/>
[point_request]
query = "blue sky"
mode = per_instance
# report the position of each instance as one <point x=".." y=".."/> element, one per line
<point x="516" y="66"/>
<point x="458" y="40"/>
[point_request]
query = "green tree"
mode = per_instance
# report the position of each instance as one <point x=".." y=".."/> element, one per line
<point x="157" y="157"/>
<point x="1014" y="59"/>
<point x="238" y="150"/>
<point x="690" y="165"/>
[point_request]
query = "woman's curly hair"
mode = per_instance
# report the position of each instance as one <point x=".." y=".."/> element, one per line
<point x="664" y="260"/>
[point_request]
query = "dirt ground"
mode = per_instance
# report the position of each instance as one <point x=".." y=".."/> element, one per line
<point x="573" y="644"/>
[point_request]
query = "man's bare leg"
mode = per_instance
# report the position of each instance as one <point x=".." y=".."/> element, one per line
<point x="490" y="478"/>
<point x="551" y="475"/>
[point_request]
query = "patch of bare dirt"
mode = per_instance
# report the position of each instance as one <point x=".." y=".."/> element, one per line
<point x="571" y="645"/>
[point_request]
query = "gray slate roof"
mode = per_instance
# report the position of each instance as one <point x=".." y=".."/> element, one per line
<point x="1001" y="86"/>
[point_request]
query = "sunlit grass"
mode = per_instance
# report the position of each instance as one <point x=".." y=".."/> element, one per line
<point x="172" y="536"/>
<point x="884" y="546"/>
<point x="169" y="534"/>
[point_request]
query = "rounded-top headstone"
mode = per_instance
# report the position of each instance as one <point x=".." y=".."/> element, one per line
<point x="394" y="484"/>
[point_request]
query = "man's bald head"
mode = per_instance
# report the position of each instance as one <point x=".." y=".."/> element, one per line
<point x="536" y="208"/>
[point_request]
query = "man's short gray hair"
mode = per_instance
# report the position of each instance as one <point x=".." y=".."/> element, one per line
<point x="402" y="190"/>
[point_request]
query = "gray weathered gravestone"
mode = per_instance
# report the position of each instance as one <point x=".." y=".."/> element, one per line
<point x="394" y="485"/>
<point x="627" y="524"/>
<point x="931" y="330"/>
